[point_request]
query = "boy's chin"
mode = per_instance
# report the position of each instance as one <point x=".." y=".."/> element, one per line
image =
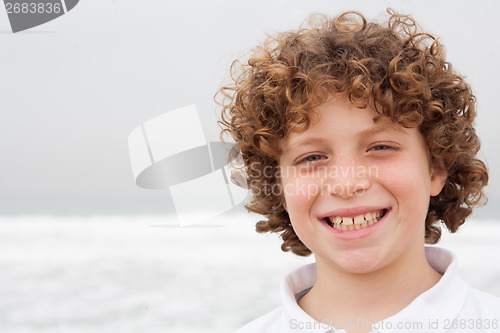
<point x="358" y="261"/>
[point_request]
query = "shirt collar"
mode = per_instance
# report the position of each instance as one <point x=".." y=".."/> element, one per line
<point x="297" y="319"/>
<point x="443" y="300"/>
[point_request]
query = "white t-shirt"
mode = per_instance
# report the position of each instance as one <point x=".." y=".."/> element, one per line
<point x="449" y="306"/>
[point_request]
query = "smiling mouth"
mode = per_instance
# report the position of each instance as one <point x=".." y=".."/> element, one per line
<point x="355" y="222"/>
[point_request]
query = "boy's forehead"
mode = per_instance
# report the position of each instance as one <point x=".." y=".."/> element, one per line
<point x="379" y="123"/>
<point x="299" y="137"/>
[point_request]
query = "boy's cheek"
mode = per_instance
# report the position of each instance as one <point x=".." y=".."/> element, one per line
<point x="301" y="188"/>
<point x="410" y="192"/>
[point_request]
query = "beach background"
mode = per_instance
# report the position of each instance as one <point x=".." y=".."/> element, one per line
<point x="106" y="274"/>
<point x="84" y="249"/>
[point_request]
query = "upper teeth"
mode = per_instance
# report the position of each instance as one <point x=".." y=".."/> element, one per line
<point x="359" y="219"/>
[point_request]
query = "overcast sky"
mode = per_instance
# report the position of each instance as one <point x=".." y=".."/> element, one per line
<point x="73" y="89"/>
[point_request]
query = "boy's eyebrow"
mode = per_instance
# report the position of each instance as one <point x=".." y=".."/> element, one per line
<point x="304" y="142"/>
<point x="383" y="125"/>
<point x="301" y="142"/>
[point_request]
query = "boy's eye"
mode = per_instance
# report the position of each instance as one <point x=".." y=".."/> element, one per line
<point x="311" y="158"/>
<point x="382" y="147"/>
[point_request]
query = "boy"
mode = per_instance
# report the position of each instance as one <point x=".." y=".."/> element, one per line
<point x="358" y="142"/>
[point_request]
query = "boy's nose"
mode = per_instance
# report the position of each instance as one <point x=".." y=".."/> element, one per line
<point x="348" y="179"/>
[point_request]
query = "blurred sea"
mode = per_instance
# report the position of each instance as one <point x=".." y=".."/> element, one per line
<point x="145" y="274"/>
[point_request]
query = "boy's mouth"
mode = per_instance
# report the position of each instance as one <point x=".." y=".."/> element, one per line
<point x="355" y="222"/>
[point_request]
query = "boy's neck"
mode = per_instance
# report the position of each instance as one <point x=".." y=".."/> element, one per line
<point x="341" y="297"/>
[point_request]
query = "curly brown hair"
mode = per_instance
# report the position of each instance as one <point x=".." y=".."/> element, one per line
<point x="394" y="67"/>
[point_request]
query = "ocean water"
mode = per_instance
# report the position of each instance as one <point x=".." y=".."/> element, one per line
<point x="146" y="274"/>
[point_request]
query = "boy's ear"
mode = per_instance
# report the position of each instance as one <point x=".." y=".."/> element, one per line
<point x="439" y="176"/>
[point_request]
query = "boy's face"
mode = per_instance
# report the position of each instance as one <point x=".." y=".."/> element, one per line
<point x="357" y="191"/>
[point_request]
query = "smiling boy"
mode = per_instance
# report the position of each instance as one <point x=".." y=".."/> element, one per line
<point x="394" y="198"/>
<point x="370" y="136"/>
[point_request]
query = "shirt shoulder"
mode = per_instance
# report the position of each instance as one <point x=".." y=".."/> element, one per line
<point x="481" y="305"/>
<point x="270" y="322"/>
